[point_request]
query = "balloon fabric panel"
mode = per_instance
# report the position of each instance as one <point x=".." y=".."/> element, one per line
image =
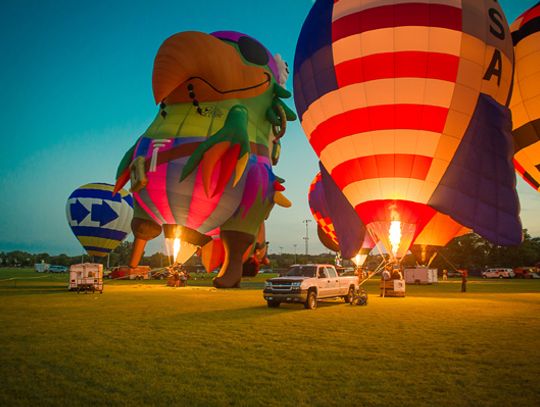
<point x="525" y="103"/>
<point x="320" y="212"/>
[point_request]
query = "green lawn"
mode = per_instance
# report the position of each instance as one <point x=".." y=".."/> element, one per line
<point x="147" y="344"/>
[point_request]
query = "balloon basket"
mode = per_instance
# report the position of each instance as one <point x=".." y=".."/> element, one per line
<point x="392" y="288"/>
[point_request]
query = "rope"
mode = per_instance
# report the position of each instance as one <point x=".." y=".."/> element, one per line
<point x="447" y="261"/>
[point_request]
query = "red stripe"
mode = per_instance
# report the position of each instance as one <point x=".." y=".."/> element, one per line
<point x="372" y="118"/>
<point x="387" y="210"/>
<point x="406" y="64"/>
<point x="382" y="166"/>
<point x="530" y="15"/>
<point x="409" y="14"/>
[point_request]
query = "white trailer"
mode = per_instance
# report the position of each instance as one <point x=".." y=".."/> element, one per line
<point x="420" y="275"/>
<point x="86" y="277"/>
<point x="41" y="267"/>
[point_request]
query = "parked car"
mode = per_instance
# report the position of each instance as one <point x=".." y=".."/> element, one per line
<point x="57" y="269"/>
<point x="307" y="284"/>
<point x="525" y="272"/>
<point x="127" y="273"/>
<point x="498" y="273"/>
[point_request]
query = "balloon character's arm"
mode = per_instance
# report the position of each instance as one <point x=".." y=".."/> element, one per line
<point x="230" y="146"/>
<point x="123" y="171"/>
<point x="279" y="113"/>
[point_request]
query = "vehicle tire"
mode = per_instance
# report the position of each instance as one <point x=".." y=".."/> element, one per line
<point x="350" y="296"/>
<point x="311" y="301"/>
<point x="484" y="276"/>
<point x="273" y="304"/>
<point x="501" y="276"/>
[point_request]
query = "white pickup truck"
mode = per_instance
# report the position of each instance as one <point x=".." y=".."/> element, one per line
<point x="308" y="283"/>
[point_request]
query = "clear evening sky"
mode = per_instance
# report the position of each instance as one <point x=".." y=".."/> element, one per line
<point x="76" y="93"/>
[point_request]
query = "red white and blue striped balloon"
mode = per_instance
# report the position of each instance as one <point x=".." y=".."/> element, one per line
<point x="405" y="102"/>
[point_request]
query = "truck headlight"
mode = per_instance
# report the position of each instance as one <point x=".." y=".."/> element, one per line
<point x="296" y="284"/>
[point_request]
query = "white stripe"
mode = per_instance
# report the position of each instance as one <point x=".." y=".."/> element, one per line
<point x="416" y="142"/>
<point x="385" y="40"/>
<point x="408" y="189"/>
<point x="415" y="91"/>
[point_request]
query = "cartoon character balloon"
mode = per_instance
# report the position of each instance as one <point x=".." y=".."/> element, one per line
<point x="525" y="103"/>
<point x="404" y="102"/>
<point x="99" y="218"/>
<point x="206" y="160"/>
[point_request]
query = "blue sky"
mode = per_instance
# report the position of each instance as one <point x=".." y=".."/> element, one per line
<point x="76" y="85"/>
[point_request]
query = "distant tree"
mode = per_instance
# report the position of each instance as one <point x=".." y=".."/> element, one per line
<point x="156" y="260"/>
<point x="121" y="255"/>
<point x="475" y="253"/>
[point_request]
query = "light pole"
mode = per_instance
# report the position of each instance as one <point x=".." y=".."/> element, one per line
<point x="306" y="238"/>
<point x="295" y="261"/>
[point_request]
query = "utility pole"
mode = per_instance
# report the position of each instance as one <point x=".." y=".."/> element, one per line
<point x="280" y="250"/>
<point x="295" y="260"/>
<point x="306" y="238"/>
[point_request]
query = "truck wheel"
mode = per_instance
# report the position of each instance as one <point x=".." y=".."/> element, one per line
<point x="500" y="276"/>
<point x="350" y="296"/>
<point x="273" y="304"/>
<point x="311" y="301"/>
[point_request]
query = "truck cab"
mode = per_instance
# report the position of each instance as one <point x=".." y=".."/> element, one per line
<point x="307" y="283"/>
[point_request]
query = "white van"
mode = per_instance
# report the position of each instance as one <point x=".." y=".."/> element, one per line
<point x="498" y="273"/>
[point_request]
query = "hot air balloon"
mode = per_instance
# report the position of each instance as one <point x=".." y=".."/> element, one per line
<point x="99" y="218"/>
<point x="405" y="104"/>
<point x="338" y="226"/>
<point x="206" y="160"/>
<point x="525" y="103"/>
<point x="319" y="210"/>
<point x="437" y="234"/>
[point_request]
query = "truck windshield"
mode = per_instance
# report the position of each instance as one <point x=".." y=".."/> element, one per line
<point x="302" y="271"/>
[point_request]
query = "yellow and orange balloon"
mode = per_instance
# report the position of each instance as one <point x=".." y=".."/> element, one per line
<point x="525" y="103"/>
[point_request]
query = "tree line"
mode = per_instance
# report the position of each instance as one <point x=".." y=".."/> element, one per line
<point x="470" y="252"/>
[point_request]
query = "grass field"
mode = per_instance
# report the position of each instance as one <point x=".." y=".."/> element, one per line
<point x="147" y="344"/>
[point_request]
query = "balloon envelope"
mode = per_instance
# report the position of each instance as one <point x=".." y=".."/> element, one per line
<point x="404" y="103"/>
<point x="99" y="219"/>
<point x="525" y="103"/>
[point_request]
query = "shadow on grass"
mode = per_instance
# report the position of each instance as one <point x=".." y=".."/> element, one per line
<point x="31" y="289"/>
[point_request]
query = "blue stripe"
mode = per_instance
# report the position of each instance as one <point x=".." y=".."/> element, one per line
<point x="314" y="73"/>
<point x="98" y="232"/>
<point x="95" y="193"/>
<point x="97" y="249"/>
<point x="129" y="200"/>
<point x="142" y="148"/>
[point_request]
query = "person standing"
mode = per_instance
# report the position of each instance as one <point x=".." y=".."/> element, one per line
<point x="464" y="275"/>
<point x="445" y="275"/>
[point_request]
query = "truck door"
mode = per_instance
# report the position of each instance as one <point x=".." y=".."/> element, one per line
<point x="323" y="282"/>
<point x="333" y="285"/>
